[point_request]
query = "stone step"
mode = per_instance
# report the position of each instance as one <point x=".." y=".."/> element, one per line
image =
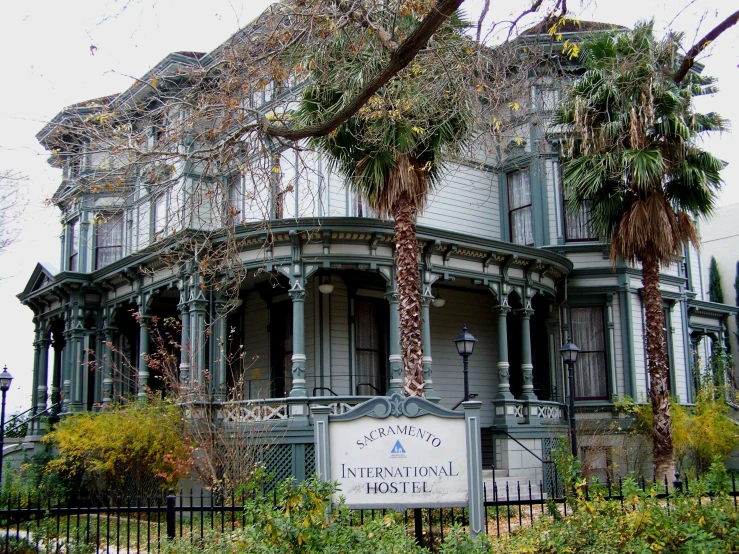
<point x="499" y="473"/>
<point x="517" y="489"/>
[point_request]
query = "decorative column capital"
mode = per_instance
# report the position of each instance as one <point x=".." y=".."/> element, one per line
<point x="502" y="309"/>
<point x="297" y="292"/>
<point x="524" y="313"/>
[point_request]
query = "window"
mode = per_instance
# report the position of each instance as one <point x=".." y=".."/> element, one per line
<point x="285" y="187"/>
<point x="74" y="246"/>
<point x="519" y="208"/>
<point x="549" y="99"/>
<point x="236" y="199"/>
<point x="359" y="207"/>
<point x="578" y="225"/>
<point x="160" y="216"/>
<point x="369" y="340"/>
<point x="588" y="333"/>
<point x="108" y="239"/>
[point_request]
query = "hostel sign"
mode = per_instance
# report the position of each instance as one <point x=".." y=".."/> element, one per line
<point x="395" y="452"/>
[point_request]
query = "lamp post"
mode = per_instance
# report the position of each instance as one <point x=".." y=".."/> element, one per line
<point x="569" y="356"/>
<point x="5" y="380"/>
<point x="465" y="343"/>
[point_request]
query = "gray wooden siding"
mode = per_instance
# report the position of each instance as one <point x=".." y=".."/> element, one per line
<point x="639" y="355"/>
<point x="475" y="310"/>
<point x="582" y="260"/>
<point x="618" y="346"/>
<point x="696" y="274"/>
<point x="678" y="353"/>
<point x="466" y="201"/>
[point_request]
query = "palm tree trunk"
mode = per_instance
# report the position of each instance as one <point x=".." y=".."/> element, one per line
<point x="409" y="294"/>
<point x="659" y="391"/>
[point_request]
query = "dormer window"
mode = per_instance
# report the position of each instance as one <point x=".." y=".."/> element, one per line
<point x="74" y="246"/>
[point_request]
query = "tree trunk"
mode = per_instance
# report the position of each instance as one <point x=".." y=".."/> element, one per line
<point x="409" y="294"/>
<point x="659" y="391"/>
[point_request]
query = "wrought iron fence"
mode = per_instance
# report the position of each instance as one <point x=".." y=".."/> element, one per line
<point x="31" y="524"/>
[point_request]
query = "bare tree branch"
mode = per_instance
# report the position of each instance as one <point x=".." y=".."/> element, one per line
<point x="402" y="56"/>
<point x="702" y="44"/>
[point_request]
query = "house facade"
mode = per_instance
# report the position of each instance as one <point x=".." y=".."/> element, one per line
<point x="314" y="317"/>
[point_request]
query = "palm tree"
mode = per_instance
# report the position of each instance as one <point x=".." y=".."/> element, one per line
<point x="633" y="162"/>
<point x="391" y="151"/>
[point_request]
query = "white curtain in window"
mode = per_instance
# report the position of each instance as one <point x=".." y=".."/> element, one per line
<point x="109" y="240"/>
<point x="519" y="205"/>
<point x="578" y="225"/>
<point x="589" y="334"/>
<point x="74" y="246"/>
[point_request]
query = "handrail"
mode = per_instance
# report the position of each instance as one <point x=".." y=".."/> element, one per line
<point x="30" y="419"/>
<point x="324" y="388"/>
<point x="506" y="433"/>
<point x="356" y="388"/>
<point x="16" y="416"/>
<point x="458" y="404"/>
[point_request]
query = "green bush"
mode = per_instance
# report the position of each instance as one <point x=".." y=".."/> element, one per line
<point x="643" y="524"/>
<point x="34" y="481"/>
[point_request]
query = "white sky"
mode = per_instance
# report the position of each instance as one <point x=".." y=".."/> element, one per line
<point x="48" y="65"/>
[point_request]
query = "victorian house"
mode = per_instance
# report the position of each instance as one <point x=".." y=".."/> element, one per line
<point x="315" y="318"/>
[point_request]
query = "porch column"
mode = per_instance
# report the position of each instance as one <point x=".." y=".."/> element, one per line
<point x="395" y="358"/>
<point x="108" y="365"/>
<point x="67" y="356"/>
<point x="198" y="379"/>
<point x="41" y="366"/>
<point x="428" y="383"/>
<point x="34" y="376"/>
<point x="78" y="368"/>
<point x="527" y="368"/>
<point x="143" y="380"/>
<point x="56" y="375"/>
<point x="297" y="295"/>
<point x="504" y="375"/>
<point x="221" y="351"/>
<point x="43" y="374"/>
<point x="185" y="346"/>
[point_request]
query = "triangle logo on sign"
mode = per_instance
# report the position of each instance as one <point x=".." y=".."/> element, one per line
<point x="398" y="448"/>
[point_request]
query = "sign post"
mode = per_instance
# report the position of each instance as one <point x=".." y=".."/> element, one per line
<point x="399" y="453"/>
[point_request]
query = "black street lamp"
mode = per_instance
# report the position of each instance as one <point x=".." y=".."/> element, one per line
<point x="569" y="356"/>
<point x="465" y="345"/>
<point x="5" y="380"/>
